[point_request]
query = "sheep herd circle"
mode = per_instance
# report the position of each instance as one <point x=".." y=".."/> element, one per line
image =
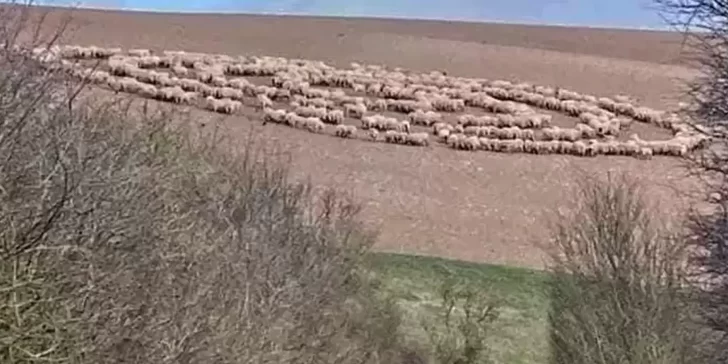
<point x="389" y="105"/>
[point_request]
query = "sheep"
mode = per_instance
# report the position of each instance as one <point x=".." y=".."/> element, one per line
<point x="228" y="92"/>
<point x="550" y="133"/>
<point x="488" y="144"/>
<point x="404" y="126"/>
<point x="443" y="133"/>
<point x="314" y="93"/>
<point x="292" y="119"/>
<point x="546" y="147"/>
<point x="277" y="116"/>
<point x="578" y="148"/>
<point x="356" y="111"/>
<point x="624" y="123"/>
<point x="180" y="70"/>
<point x="370" y="122"/>
<point x="471" y="143"/>
<point x="525" y="134"/>
<point x="393" y="136"/>
<point x="507" y="133"/>
<point x="227" y="106"/>
<point x="281" y="94"/>
<point x="407" y="106"/>
<point x="471" y="130"/>
<point x="586" y="131"/>
<point x="309" y="111"/>
<point x="426" y="118"/>
<point x="506" y="120"/>
<point x="98" y="77"/>
<point x="121" y="67"/>
<point x="188" y="97"/>
<point x="139" y="52"/>
<point x="378" y="105"/>
<point x="264" y="101"/>
<point x="440" y="103"/>
<point x="564" y="146"/>
<point x="417" y="139"/>
<point x="644" y="153"/>
<point x="125" y="84"/>
<point x="148" y="91"/>
<point x="384" y="123"/>
<point x="174" y="94"/>
<point x="314" y="124"/>
<point x="629" y="148"/>
<point x="647" y="115"/>
<point x="461" y="141"/>
<point x="191" y="85"/>
<point x="466" y="120"/>
<point x="538" y="121"/>
<point x="441" y="126"/>
<point x="333" y="117"/>
<point x="345" y="131"/>
<point x="317" y="102"/>
<point x="454" y="140"/>
<point x="373" y="134"/>
<point x="149" y="62"/>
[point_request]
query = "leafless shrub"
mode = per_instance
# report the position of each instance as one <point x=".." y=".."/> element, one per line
<point x="126" y="238"/>
<point x="458" y="335"/>
<point x="705" y="28"/>
<point x="618" y="292"/>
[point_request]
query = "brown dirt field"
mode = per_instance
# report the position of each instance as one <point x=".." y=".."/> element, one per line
<point x="474" y="206"/>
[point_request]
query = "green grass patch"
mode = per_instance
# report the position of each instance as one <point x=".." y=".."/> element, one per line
<point x="519" y="335"/>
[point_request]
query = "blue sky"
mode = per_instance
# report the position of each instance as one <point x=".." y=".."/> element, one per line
<point x="601" y="13"/>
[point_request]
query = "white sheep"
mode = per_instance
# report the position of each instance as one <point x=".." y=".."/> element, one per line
<point x="586" y="131"/>
<point x="644" y="153"/>
<point x="441" y="126"/>
<point x="417" y="139"/>
<point x="356" y="110"/>
<point x="227" y="106"/>
<point x="345" y="131"/>
<point x="173" y="94"/>
<point x="314" y="124"/>
<point x="333" y="117"/>
<point x="373" y="134"/>
<point x="264" y="101"/>
<point x="229" y="92"/>
<point x="443" y="133"/>
<point x="310" y="111"/>
<point x="277" y="116"/>
<point x="139" y="52"/>
<point x="426" y="118"/>
<point x="317" y="102"/>
<point x="395" y="137"/>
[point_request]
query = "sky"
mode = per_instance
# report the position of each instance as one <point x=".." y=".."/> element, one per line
<point x="598" y="13"/>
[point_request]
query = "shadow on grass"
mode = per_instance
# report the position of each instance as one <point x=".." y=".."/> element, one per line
<point x="519" y="335"/>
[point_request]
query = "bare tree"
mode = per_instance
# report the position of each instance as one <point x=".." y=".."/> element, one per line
<point x="127" y="238"/>
<point x="704" y="24"/>
<point x="617" y="292"/>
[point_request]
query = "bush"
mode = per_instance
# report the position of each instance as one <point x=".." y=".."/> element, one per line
<point x="618" y="292"/>
<point x="463" y="319"/>
<point x="127" y="239"/>
<point x="704" y="26"/>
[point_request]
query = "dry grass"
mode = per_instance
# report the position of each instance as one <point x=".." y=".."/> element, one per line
<point x="480" y="206"/>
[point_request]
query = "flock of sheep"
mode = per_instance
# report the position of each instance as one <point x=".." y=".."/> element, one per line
<point x="316" y="97"/>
